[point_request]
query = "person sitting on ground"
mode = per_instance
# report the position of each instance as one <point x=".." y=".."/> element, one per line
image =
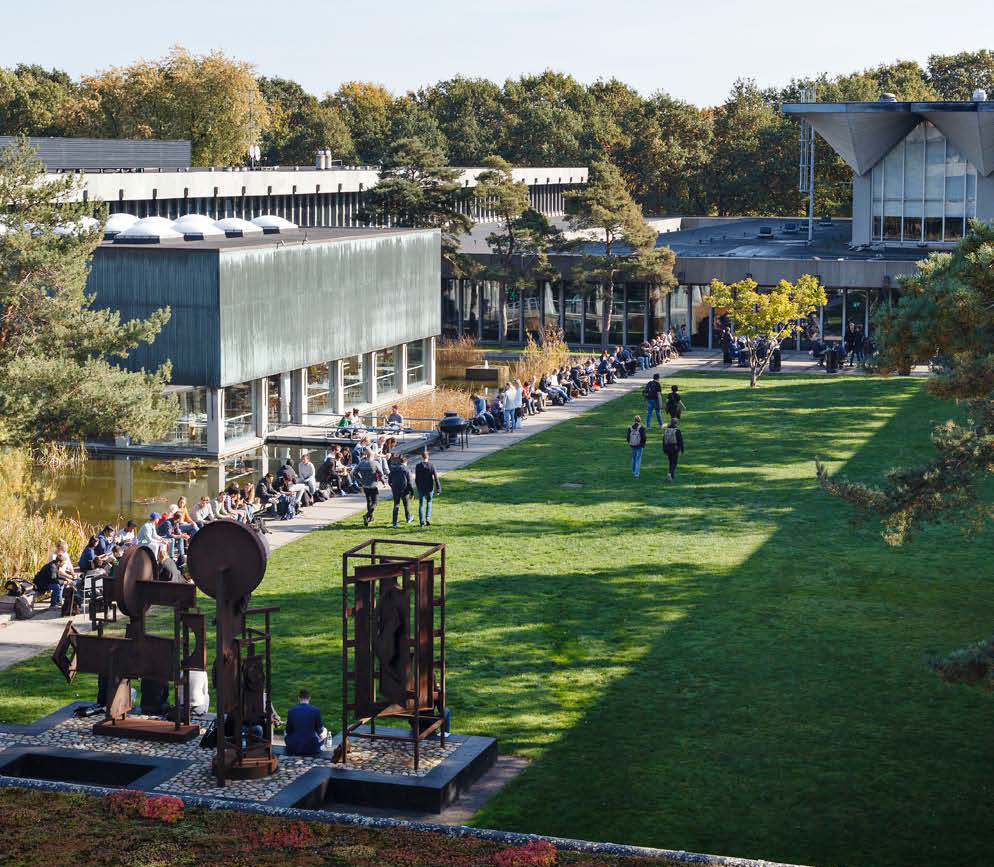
<point x="307" y="473"/>
<point x="186" y="522"/>
<point x="266" y="491"/>
<point x="395" y="418"/>
<point x="305" y="733"/>
<point x="346" y="420"/>
<point x="401" y="488"/>
<point x="168" y="570"/>
<point x="169" y="529"/>
<point x="219" y="508"/>
<point x="53" y="578"/>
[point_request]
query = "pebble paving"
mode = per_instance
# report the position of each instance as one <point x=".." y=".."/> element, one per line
<point x="385" y="757"/>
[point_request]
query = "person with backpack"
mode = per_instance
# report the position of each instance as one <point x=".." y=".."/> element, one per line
<point x="652" y="392"/>
<point x="366" y="475"/>
<point x="672" y="445"/>
<point x="674" y="405"/>
<point x="400" y="485"/>
<point x="426" y="481"/>
<point x="635" y="437"/>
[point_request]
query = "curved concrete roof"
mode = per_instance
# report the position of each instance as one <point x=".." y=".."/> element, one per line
<point x="862" y="133"/>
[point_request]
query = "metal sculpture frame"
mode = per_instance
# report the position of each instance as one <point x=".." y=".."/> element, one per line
<point x="228" y="561"/>
<point x="411" y="677"/>
<point x="132" y="589"/>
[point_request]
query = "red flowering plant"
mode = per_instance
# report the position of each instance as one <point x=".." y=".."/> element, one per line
<point x="535" y="853"/>
<point x="160" y="808"/>
<point x="293" y="835"/>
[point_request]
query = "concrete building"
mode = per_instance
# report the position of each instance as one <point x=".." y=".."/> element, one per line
<point x="269" y="329"/>
<point x="921" y="171"/>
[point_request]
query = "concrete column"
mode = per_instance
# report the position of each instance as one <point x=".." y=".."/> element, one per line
<point x="336" y="385"/>
<point x="298" y="395"/>
<point x="217" y="476"/>
<point x="215" y="421"/>
<point x="284" y="398"/>
<point x="400" y="356"/>
<point x="369" y="369"/>
<point x="260" y="404"/>
<point x="430" y="361"/>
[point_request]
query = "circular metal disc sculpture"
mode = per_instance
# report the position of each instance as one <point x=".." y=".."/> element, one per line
<point x="227" y="562"/>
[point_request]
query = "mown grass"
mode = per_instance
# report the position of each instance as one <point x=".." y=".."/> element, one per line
<point x="719" y="665"/>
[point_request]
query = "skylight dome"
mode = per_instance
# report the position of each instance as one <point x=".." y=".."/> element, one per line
<point x="77" y="227"/>
<point x="197" y="227"/>
<point x="117" y="223"/>
<point x="273" y="225"/>
<point x="149" y="230"/>
<point x="234" y="227"/>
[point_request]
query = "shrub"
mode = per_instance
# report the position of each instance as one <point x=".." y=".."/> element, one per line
<point x="458" y="352"/>
<point x="538" y="358"/>
<point x="535" y="853"/>
<point x="160" y="808"/>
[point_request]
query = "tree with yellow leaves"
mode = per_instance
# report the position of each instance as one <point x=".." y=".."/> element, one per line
<point x="769" y="316"/>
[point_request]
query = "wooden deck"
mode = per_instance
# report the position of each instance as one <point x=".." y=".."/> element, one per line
<point x="323" y="436"/>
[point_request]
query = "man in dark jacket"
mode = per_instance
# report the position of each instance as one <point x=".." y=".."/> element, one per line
<point x="399" y="480"/>
<point x="653" y="391"/>
<point x="672" y="445"/>
<point x="304" y="730"/>
<point x="365" y="475"/>
<point x="635" y="437"/>
<point x="426" y="481"/>
<point x="265" y="491"/>
<point x="674" y="403"/>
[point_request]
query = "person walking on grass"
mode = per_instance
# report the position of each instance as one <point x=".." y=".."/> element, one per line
<point x="672" y="445"/>
<point x="635" y="437"/>
<point x="674" y="405"/>
<point x="366" y="475"/>
<point x="653" y="391"/>
<point x="426" y="481"/>
<point x="400" y="486"/>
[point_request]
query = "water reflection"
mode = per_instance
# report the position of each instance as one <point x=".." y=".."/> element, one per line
<point x="109" y="487"/>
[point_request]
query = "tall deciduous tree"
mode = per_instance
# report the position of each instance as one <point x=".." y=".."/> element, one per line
<point x="468" y="113"/>
<point x="945" y="314"/>
<point x="299" y="126"/>
<point x="210" y="99"/>
<point x="367" y="110"/>
<point x="418" y="190"/>
<point x="58" y="377"/>
<point x="36" y="101"/>
<point x="956" y="76"/>
<point x="767" y="317"/>
<point x="606" y="210"/>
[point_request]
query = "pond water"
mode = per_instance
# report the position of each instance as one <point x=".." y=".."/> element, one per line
<point x="112" y="488"/>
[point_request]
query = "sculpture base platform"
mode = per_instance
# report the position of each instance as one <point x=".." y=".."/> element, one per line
<point x="249" y="768"/>
<point x="380" y="773"/>
<point x="143" y="729"/>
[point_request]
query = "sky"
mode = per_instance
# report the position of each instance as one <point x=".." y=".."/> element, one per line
<point x="692" y="50"/>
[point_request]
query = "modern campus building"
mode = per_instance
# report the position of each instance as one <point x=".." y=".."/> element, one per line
<point x="921" y="171"/>
<point x="271" y="324"/>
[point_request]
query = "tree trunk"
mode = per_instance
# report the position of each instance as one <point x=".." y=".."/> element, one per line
<point x="606" y="312"/>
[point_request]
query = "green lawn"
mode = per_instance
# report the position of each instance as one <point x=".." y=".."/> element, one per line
<point x="719" y="665"/>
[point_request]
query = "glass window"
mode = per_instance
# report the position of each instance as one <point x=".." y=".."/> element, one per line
<point x="658" y="321"/>
<point x="416" y="362"/>
<point x="700" y="317"/>
<point x="616" y="331"/>
<point x="678" y="308"/>
<point x="278" y="400"/>
<point x="552" y="308"/>
<point x="531" y="302"/>
<point x="353" y="380"/>
<point x="386" y="372"/>
<point x="490" y="310"/>
<point x="512" y="315"/>
<point x="470" y="309"/>
<point x="238" y="421"/>
<point x="573" y="316"/>
<point x="318" y="388"/>
<point x="450" y="308"/>
<point x="592" y="315"/>
<point x="636" y="312"/>
<point x="832" y="327"/>
<point x="191" y="426"/>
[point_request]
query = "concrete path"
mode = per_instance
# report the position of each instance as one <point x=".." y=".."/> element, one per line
<point x="22" y="639"/>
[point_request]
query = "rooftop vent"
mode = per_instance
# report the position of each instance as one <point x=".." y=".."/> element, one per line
<point x="979" y="95"/>
<point x="888" y="97"/>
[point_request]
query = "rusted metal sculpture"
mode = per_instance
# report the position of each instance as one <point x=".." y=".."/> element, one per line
<point x="227" y="561"/>
<point x="393" y="656"/>
<point x="132" y="589"/>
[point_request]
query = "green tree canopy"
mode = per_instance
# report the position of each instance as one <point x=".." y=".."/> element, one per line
<point x="367" y="110"/>
<point x="468" y="112"/>
<point x="956" y="76"/>
<point x="299" y="126"/>
<point x="605" y="212"/>
<point x="58" y="376"/>
<point x="36" y="101"/>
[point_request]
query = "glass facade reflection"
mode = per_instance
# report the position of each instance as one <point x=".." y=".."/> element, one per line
<point x="416" y="370"/>
<point x="354" y="381"/>
<point x="923" y="190"/>
<point x="386" y="372"/>
<point x="239" y="421"/>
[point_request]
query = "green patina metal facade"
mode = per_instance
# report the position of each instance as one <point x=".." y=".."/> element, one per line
<point x="245" y="312"/>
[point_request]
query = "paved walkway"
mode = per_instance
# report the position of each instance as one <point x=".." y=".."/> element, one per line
<point x="23" y="639"/>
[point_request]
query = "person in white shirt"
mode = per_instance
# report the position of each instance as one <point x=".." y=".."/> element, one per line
<point x="200" y="699"/>
<point x="306" y="473"/>
<point x="203" y="513"/>
<point x="148" y="534"/>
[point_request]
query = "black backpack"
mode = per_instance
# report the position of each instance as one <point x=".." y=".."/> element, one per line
<point x="673" y="405"/>
<point x="647" y="390"/>
<point x="23" y="609"/>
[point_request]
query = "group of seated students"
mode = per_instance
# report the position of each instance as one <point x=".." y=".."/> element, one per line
<point x="519" y="399"/>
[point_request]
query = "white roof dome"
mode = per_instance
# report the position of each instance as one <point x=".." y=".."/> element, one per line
<point x="118" y="223"/>
<point x="197" y="227"/>
<point x="77" y="227"/>
<point x="271" y="224"/>
<point x="236" y="227"/>
<point x="149" y="229"/>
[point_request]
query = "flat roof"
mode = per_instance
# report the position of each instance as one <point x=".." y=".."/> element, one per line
<point x="289" y="238"/>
